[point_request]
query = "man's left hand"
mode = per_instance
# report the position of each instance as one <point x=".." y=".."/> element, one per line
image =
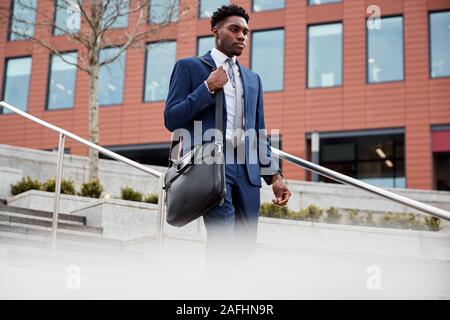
<point x="281" y="192"/>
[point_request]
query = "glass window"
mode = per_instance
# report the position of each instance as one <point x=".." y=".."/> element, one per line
<point x="160" y="61"/>
<point x="268" y="58"/>
<point x="22" y="19"/>
<point x="62" y="82"/>
<point x="67" y="17"/>
<point x="263" y="5"/>
<point x="325" y="55"/>
<point x="317" y="2"/>
<point x="208" y="7"/>
<point x="111" y="77"/>
<point x="163" y="11"/>
<point x="17" y="82"/>
<point x="378" y="160"/>
<point x="440" y="44"/>
<point x="204" y="44"/>
<point x="385" y="51"/>
<point x="115" y="14"/>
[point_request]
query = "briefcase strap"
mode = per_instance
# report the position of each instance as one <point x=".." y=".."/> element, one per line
<point x="219" y="97"/>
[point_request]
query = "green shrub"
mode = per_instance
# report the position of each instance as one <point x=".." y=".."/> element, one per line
<point x="333" y="215"/>
<point x="67" y="186"/>
<point x="151" y="198"/>
<point x="311" y="213"/>
<point x="128" y="193"/>
<point x="353" y="216"/>
<point x="272" y="210"/>
<point x="302" y="215"/>
<point x="368" y="219"/>
<point x="25" y="184"/>
<point x="389" y="220"/>
<point x="433" y="223"/>
<point x="92" y="189"/>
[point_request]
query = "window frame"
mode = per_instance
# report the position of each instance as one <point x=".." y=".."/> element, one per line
<point x="429" y="13"/>
<point x="199" y="10"/>
<point x="55" y="9"/>
<point x="307" y="54"/>
<point x="123" y="84"/>
<point x="322" y="4"/>
<point x="11" y="15"/>
<point x="355" y="134"/>
<point x="5" y="70"/>
<point x="47" y="94"/>
<point x="149" y="22"/>
<point x="269" y="10"/>
<point x="198" y="42"/>
<point x="403" y="50"/>
<point x="147" y="44"/>
<point x="284" y="56"/>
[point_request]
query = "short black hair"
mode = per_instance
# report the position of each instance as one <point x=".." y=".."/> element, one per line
<point x="227" y="11"/>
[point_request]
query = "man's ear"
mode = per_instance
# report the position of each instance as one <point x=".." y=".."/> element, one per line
<point x="215" y="31"/>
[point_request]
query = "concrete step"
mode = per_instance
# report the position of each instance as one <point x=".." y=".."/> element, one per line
<point x="15" y="220"/>
<point x="44" y="215"/>
<point x="12" y="243"/>
<point x="62" y="235"/>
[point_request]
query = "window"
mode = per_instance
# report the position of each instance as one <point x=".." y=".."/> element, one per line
<point x="208" y="7"/>
<point x="163" y="11"/>
<point x="115" y="14"/>
<point x="325" y="55"/>
<point x="111" y="77"/>
<point x="268" y="58"/>
<point x="22" y="19"/>
<point x="17" y="82"/>
<point x="385" y="51"/>
<point x="440" y="44"/>
<point x="378" y="160"/>
<point x="67" y="17"/>
<point x="62" y="82"/>
<point x="316" y="2"/>
<point x="263" y="5"/>
<point x="204" y="44"/>
<point x="160" y="61"/>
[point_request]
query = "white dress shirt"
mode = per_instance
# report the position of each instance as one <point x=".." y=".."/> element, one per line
<point x="230" y="92"/>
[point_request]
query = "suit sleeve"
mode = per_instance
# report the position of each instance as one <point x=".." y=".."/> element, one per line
<point x="183" y="104"/>
<point x="269" y="166"/>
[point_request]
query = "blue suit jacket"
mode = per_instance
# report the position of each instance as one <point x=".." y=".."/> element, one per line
<point x="189" y="100"/>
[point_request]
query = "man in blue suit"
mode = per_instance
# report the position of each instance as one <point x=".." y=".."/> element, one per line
<point x="191" y="102"/>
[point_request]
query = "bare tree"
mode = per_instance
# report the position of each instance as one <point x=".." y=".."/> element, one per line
<point x="90" y="24"/>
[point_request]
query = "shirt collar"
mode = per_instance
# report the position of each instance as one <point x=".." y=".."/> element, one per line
<point x="220" y="57"/>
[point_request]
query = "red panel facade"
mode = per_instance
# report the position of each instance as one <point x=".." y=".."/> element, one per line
<point x="415" y="103"/>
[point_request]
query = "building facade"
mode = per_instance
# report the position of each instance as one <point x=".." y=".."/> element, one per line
<point x="359" y="86"/>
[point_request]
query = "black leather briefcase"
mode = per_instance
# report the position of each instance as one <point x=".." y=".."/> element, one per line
<point x="195" y="183"/>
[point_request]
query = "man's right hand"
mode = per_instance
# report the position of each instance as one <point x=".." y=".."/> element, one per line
<point x="217" y="79"/>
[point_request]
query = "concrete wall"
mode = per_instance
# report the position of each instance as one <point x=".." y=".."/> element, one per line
<point x="41" y="165"/>
<point x="114" y="175"/>
<point x="8" y="176"/>
<point x="327" y="195"/>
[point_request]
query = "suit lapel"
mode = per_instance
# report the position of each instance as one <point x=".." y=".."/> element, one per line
<point x="209" y="59"/>
<point x="245" y="82"/>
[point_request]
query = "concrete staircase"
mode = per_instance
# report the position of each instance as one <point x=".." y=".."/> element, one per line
<point x="31" y="229"/>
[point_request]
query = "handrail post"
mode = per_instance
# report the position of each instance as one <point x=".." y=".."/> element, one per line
<point x="59" y="168"/>
<point x="160" y="217"/>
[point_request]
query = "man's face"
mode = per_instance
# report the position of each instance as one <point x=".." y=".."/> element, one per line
<point x="231" y="35"/>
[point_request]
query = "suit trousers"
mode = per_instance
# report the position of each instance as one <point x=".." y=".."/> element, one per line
<point x="232" y="227"/>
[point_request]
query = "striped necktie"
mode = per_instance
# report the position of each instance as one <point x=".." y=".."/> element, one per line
<point x="238" y="98"/>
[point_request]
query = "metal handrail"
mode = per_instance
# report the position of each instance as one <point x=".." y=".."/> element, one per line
<point x="339" y="177"/>
<point x="278" y="153"/>
<point x="62" y="134"/>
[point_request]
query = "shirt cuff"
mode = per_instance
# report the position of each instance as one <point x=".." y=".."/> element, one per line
<point x="206" y="84"/>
